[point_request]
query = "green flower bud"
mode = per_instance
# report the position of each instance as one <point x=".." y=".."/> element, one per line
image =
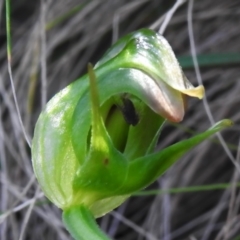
<point x="94" y="143"/>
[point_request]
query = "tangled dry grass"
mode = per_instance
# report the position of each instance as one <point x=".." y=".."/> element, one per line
<point x="52" y="43"/>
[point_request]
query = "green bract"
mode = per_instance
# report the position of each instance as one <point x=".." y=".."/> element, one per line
<point x="94" y="143"/>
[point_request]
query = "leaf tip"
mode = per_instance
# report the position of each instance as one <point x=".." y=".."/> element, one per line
<point x="225" y="123"/>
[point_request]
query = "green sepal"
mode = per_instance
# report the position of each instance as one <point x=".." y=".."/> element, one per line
<point x="145" y="170"/>
<point x="54" y="161"/>
<point x="105" y="168"/>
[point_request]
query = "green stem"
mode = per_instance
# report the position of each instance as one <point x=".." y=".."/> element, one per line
<point x="202" y="188"/>
<point x="81" y="224"/>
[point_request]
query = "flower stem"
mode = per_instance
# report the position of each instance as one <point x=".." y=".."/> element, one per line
<point x="81" y="224"/>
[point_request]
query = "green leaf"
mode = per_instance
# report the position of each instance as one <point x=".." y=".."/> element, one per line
<point x="211" y="60"/>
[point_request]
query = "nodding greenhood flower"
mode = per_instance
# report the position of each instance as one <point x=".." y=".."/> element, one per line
<point x="94" y="143"/>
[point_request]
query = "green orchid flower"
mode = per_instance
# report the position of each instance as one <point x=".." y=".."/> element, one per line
<point x="94" y="143"/>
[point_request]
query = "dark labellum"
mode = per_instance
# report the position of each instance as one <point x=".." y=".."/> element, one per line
<point x="129" y="112"/>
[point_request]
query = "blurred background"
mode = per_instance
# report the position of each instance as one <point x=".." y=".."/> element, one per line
<point x="52" y="42"/>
